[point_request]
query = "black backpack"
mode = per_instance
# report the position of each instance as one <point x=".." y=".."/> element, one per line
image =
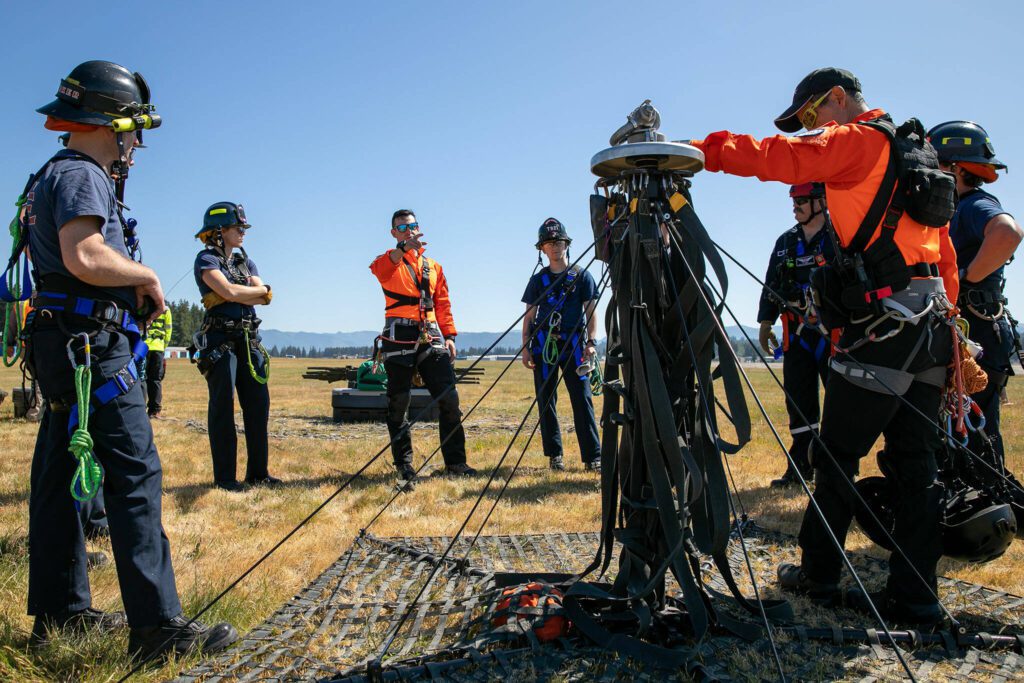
<point x="925" y="193"/>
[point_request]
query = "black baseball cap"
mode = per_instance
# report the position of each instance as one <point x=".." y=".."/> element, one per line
<point x="814" y="83"/>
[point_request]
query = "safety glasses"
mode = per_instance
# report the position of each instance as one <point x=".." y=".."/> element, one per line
<point x="407" y="226"/>
<point x="801" y="201"/>
<point x="809" y="116"/>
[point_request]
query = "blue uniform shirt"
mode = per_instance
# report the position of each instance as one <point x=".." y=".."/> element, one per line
<point x="967" y="230"/>
<point x="583" y="291"/>
<point x="67" y="190"/>
<point x="208" y="259"/>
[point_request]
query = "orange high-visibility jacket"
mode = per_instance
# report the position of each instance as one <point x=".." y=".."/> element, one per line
<point x="402" y="293"/>
<point x="851" y="160"/>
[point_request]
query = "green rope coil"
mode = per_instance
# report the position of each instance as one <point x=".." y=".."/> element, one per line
<point x="88" y="475"/>
<point x="7" y="340"/>
<point x="550" y="351"/>
<point x="266" y="361"/>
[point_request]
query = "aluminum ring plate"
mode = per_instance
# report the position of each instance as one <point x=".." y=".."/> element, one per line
<point x="660" y="156"/>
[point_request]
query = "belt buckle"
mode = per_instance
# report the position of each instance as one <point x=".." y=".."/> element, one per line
<point x="108" y="311"/>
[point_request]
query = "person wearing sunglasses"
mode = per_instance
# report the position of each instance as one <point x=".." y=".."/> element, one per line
<point x="806" y="345"/>
<point x="419" y="336"/>
<point x="887" y="372"/>
<point x="229" y="353"/>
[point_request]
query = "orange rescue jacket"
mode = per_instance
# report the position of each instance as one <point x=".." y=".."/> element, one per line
<point x="402" y="292"/>
<point x="851" y="160"/>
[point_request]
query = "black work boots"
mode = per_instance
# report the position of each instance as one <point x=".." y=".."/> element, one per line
<point x="179" y="636"/>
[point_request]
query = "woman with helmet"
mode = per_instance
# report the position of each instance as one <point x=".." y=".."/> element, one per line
<point x="230" y="355"/>
<point x="91" y="296"/>
<point x="806" y="344"/>
<point x="985" y="237"/>
<point x="559" y="335"/>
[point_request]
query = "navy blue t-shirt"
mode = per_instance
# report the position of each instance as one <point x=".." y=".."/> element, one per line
<point x="967" y="229"/>
<point x="577" y="295"/>
<point x="70" y="189"/>
<point x="208" y="259"/>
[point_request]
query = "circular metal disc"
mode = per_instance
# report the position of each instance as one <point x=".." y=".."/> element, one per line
<point x="660" y="156"/>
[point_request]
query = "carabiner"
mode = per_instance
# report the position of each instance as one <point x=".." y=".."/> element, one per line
<point x="87" y="348"/>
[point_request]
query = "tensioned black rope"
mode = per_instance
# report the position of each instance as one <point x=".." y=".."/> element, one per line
<point x="706" y="392"/>
<point x="931" y="421"/>
<point x="803" y="483"/>
<point x="508" y="366"/>
<point x="156" y="652"/>
<point x="393" y="633"/>
<point x="605" y="281"/>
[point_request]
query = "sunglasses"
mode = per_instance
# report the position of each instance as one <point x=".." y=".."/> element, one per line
<point x="809" y="116"/>
<point x="801" y="201"/>
<point x="407" y="226"/>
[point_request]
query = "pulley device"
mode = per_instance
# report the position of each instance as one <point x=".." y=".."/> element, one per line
<point x="665" y="495"/>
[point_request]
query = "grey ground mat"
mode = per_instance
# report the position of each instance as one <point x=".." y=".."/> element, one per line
<point x="332" y="629"/>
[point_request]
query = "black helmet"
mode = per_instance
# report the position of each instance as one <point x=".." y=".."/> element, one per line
<point x="963" y="141"/>
<point x="223" y="215"/>
<point x="977" y="531"/>
<point x="99" y="92"/>
<point x="812" y="190"/>
<point x="552" y="230"/>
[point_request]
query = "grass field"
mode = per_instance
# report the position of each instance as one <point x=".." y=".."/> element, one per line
<point x="215" y="535"/>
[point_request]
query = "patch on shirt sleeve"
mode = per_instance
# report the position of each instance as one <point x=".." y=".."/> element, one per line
<point x="809" y="133"/>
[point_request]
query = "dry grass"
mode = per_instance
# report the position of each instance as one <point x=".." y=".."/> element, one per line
<point x="215" y="535"/>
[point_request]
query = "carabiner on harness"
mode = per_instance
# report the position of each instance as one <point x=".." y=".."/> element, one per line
<point x="248" y="358"/>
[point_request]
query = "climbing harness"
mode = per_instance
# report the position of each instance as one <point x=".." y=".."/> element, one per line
<point x="548" y="339"/>
<point x="88" y="477"/>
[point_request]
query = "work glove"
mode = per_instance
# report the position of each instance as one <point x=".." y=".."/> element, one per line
<point x="767" y="337"/>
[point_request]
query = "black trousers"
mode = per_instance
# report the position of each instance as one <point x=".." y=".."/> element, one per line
<point x="154" y="381"/>
<point x="804" y="364"/>
<point x="582" y="407"/>
<point x="231" y="374"/>
<point x="438" y="374"/>
<point x="123" y="438"/>
<point x="853" y="418"/>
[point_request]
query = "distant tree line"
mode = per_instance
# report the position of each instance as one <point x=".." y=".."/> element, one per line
<point x="187" y="317"/>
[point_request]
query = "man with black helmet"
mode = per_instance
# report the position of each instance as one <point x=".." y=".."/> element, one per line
<point x="985" y="237"/>
<point x="230" y="356"/>
<point x="418" y="336"/>
<point x="896" y="271"/>
<point x="559" y="335"/>
<point x="806" y="344"/>
<point x="89" y="292"/>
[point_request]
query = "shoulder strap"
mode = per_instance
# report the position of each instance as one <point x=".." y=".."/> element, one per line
<point x="883" y="198"/>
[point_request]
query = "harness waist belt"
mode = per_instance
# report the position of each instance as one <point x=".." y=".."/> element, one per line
<point x="917" y="294"/>
<point x="981" y="296"/>
<point x="389" y="321"/>
<point x="889" y="381"/>
<point x="98" y="310"/>
<point x="221" y="324"/>
<point x="924" y="270"/>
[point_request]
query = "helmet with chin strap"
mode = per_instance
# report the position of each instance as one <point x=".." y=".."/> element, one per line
<point x="552" y="230"/>
<point x="812" y="191"/>
<point x="221" y="215"/>
<point x="100" y="94"/>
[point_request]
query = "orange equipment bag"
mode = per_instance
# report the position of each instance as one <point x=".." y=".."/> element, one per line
<point x="539" y="604"/>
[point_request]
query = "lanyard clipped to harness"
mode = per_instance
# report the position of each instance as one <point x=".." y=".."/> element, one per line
<point x="426" y="302"/>
<point x="88" y="475"/>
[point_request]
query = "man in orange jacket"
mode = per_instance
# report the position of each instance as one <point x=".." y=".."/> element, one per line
<point x="890" y="360"/>
<point x="419" y="334"/>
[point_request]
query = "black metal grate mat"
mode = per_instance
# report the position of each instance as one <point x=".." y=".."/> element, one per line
<point x="336" y="624"/>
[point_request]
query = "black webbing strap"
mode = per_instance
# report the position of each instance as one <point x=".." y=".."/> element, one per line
<point x="885" y="196"/>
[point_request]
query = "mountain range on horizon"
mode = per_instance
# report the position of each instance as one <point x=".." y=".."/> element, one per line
<point x="323" y="340"/>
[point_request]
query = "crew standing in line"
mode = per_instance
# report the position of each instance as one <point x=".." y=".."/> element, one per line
<point x="560" y="320"/>
<point x="806" y="344"/>
<point x="230" y="355"/>
<point x="89" y="287"/>
<point x="158" y="336"/>
<point x="895" y="264"/>
<point x="419" y="335"/>
<point x="985" y="237"/>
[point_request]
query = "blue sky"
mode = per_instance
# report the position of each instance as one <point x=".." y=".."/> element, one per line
<point x="322" y="118"/>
